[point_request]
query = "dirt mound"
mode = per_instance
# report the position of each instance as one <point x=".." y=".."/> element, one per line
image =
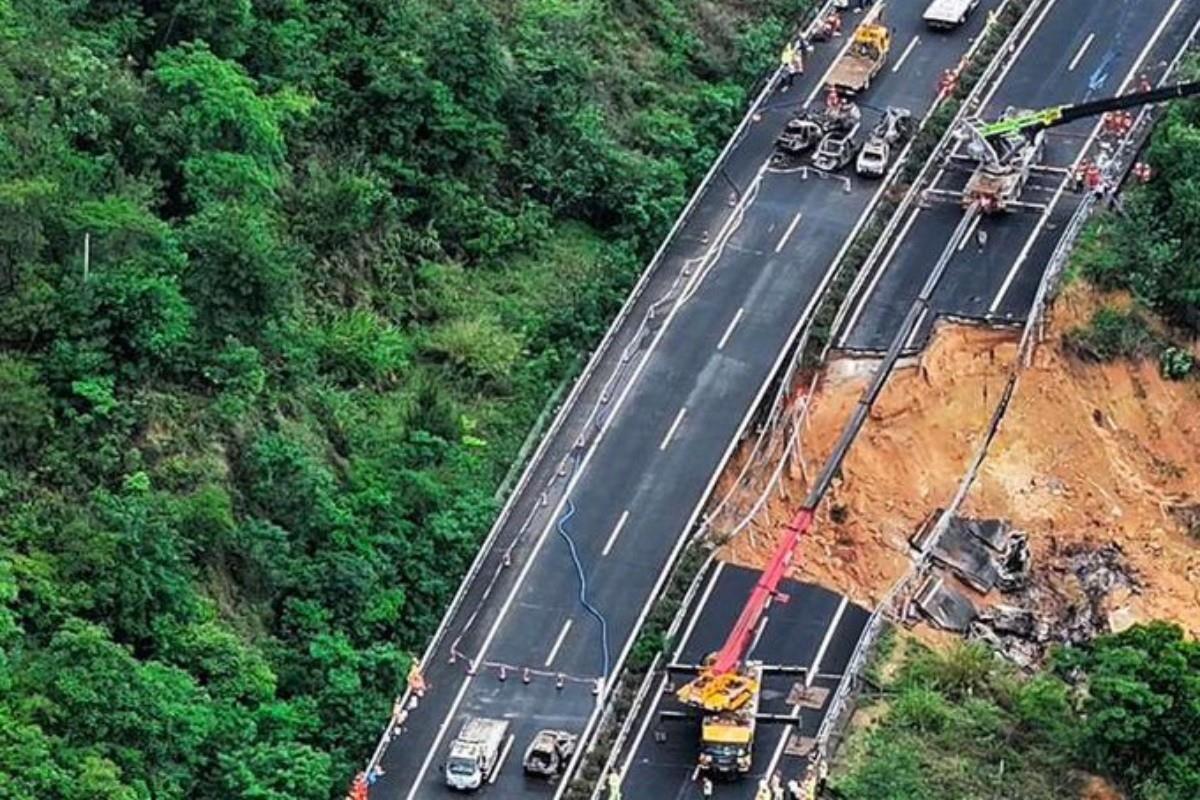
<point x="1086" y="454"/>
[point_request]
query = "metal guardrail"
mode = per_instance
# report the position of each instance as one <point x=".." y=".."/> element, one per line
<point x="405" y="701"/>
<point x="1053" y="273"/>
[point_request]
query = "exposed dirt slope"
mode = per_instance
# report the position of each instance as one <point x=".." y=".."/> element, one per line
<point x="1086" y="453"/>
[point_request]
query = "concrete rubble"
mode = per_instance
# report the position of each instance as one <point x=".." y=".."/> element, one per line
<point x="983" y="586"/>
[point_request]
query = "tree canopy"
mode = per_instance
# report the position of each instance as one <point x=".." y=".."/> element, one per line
<point x="283" y="285"/>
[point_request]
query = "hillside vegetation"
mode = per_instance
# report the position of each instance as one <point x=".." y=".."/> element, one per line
<point x="339" y="256"/>
<point x="961" y="725"/>
<point x="1151" y="250"/>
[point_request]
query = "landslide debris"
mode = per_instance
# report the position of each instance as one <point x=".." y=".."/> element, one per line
<point x="1099" y="463"/>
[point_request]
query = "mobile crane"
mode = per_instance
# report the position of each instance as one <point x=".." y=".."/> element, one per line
<point x="727" y="685"/>
<point x="726" y="690"/>
<point x="1004" y="153"/>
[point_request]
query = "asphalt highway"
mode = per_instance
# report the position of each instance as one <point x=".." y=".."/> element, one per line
<point x="632" y="491"/>
<point x="816" y="630"/>
<point x="1080" y="50"/>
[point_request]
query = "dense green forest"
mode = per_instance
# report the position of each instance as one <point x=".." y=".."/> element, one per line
<point x="962" y="725"/>
<point x="283" y="286"/>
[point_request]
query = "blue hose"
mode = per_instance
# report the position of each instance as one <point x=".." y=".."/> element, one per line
<point x="583" y="601"/>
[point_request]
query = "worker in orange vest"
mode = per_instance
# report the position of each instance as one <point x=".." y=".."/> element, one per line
<point x="833" y="100"/>
<point x="947" y="82"/>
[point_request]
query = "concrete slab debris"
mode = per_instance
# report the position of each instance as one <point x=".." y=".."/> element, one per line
<point x="945" y="606"/>
<point x="799" y="746"/>
<point x="808" y="696"/>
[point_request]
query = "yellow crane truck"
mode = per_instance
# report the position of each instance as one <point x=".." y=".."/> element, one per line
<point x="865" y="57"/>
<point x="727" y="735"/>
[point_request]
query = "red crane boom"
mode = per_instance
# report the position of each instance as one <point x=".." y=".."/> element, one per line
<point x="730" y="656"/>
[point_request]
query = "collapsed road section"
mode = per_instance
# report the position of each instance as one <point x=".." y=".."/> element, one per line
<point x="649" y="761"/>
<point x="552" y="606"/>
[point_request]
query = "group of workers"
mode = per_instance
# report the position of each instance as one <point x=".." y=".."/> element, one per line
<point x="773" y="788"/>
<point x="792" y="58"/>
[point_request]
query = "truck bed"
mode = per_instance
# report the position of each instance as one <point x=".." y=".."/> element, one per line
<point x="853" y="73"/>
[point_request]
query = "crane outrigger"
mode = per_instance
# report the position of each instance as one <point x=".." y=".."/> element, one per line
<point x="728" y="683"/>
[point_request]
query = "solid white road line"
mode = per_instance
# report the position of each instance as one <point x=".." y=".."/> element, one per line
<point x="558" y="643"/>
<point x="687" y="632"/>
<point x="788" y="233"/>
<point x="1062" y="186"/>
<point x="916" y="331"/>
<point x="820" y="656"/>
<point x="612" y="537"/>
<point x="1015" y="57"/>
<point x="729" y="331"/>
<point x="1079" y="56"/>
<point x="671" y="431"/>
<point x="762" y="626"/>
<point x="683" y="640"/>
<point x="870" y="290"/>
<point x="904" y="55"/>
<point x="808" y="681"/>
<point x="500" y="761"/>
<point x="970" y="232"/>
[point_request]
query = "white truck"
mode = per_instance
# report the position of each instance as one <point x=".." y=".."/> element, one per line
<point x="476" y="754"/>
<point x="948" y="13"/>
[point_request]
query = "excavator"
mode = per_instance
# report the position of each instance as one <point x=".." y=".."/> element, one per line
<point x="1004" y="153"/>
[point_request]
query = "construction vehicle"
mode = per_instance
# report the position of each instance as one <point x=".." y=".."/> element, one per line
<point x="727" y="737"/>
<point x="866" y="55"/>
<point x="476" y="754"/>
<point x="997" y="182"/>
<point x="549" y="753"/>
<point x="895" y="128"/>
<point x="809" y="126"/>
<point x="727" y="686"/>
<point x="945" y="14"/>
<point x="1003" y="154"/>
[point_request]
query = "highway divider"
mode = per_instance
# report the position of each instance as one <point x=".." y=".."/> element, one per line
<point x="407" y="700"/>
<point x="1004" y="28"/>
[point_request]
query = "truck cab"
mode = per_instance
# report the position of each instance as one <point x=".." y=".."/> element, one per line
<point x="947" y="14"/>
<point x="476" y="753"/>
<point x="727" y="736"/>
<point x="726" y="742"/>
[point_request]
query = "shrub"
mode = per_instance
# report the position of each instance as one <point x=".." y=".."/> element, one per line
<point x="1112" y="334"/>
<point x="1175" y="363"/>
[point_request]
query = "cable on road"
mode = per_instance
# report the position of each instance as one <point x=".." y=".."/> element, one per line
<point x="583" y="600"/>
